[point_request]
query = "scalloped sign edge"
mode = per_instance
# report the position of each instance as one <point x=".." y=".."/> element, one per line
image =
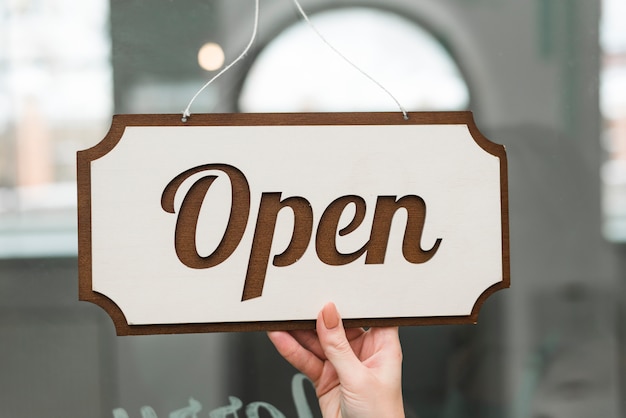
<point x="95" y="241"/>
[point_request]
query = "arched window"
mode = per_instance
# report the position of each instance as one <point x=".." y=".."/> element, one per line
<point x="297" y="71"/>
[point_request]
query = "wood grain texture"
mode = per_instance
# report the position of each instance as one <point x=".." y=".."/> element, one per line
<point x="118" y="126"/>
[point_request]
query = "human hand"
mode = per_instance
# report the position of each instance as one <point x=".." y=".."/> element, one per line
<point x="356" y="373"/>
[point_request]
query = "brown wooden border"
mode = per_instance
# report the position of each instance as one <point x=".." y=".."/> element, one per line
<point x="119" y="124"/>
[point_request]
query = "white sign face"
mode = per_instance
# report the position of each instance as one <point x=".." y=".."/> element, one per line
<point x="235" y="222"/>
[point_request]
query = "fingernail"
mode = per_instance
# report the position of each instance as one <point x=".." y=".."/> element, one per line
<point x="330" y="316"/>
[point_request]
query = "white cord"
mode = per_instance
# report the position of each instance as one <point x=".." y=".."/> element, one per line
<point x="306" y="18"/>
<point x="187" y="112"/>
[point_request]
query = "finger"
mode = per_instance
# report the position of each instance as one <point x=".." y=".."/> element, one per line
<point x="388" y="340"/>
<point x="336" y="346"/>
<point x="298" y="356"/>
<point x="354" y="333"/>
<point x="385" y="350"/>
<point x="309" y="340"/>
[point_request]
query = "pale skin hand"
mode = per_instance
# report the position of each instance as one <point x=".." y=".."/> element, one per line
<point x="356" y="373"/>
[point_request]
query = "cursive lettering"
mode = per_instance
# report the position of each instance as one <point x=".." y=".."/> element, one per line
<point x="190" y="411"/>
<point x="228" y="411"/>
<point x="252" y="410"/>
<point x="187" y="221"/>
<point x="271" y="204"/>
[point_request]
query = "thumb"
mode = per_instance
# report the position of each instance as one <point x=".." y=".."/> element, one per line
<point x="335" y="344"/>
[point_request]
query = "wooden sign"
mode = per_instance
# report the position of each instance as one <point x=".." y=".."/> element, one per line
<point x="254" y="221"/>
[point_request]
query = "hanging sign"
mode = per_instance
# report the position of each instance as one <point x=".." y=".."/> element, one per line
<point x="254" y="221"/>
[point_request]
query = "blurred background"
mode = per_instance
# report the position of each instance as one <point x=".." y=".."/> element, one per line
<point x="547" y="78"/>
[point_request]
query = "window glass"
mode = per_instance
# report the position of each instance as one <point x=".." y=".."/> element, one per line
<point x="543" y="77"/>
<point x="613" y="108"/>
<point x="301" y="71"/>
<point x="56" y="94"/>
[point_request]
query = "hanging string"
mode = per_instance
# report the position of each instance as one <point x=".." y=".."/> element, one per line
<point x="187" y="112"/>
<point x="312" y="26"/>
